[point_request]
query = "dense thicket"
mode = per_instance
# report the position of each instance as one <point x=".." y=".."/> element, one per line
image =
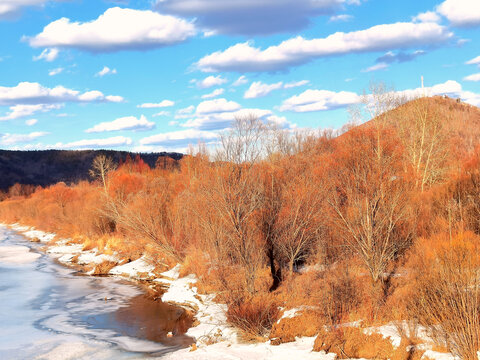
<point x="380" y="223"/>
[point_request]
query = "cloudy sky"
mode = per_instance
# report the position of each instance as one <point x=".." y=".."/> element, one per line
<point x="157" y="75"/>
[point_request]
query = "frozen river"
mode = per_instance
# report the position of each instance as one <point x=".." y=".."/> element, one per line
<point x="47" y="311"/>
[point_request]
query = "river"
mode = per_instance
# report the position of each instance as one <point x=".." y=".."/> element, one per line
<point x="48" y="311"/>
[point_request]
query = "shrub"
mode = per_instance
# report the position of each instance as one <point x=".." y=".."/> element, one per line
<point x="254" y="315"/>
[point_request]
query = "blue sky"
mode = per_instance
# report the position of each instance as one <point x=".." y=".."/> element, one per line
<point x="157" y="75"/>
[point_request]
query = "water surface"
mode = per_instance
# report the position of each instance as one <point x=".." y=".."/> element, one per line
<point x="48" y="311"/>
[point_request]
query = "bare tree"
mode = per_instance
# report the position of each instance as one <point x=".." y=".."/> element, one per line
<point x="101" y="166"/>
<point x="371" y="201"/>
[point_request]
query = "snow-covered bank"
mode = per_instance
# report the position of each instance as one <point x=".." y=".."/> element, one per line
<point x="213" y="337"/>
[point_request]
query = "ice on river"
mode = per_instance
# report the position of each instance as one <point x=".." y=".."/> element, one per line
<point x="45" y="309"/>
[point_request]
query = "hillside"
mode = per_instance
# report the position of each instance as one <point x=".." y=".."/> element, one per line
<point x="51" y="166"/>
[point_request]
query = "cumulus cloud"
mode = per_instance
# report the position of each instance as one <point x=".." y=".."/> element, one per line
<point x="319" y="100"/>
<point x="117" y="29"/>
<point x="214" y="93"/>
<point x="222" y="120"/>
<point x="181" y="138"/>
<point x="428" y="16"/>
<point x="34" y="93"/>
<point x="260" y="17"/>
<point x="258" y="89"/>
<point x="473" y="77"/>
<point x="211" y="81"/>
<point x="124" y="123"/>
<point x="461" y="13"/>
<point x="161" y="104"/>
<point x="322" y="100"/>
<point x="47" y="55"/>
<point x="19" y="111"/>
<point x="245" y="57"/>
<point x="106" y="71"/>
<point x="12" y="139"/>
<point x="31" y="122"/>
<point x="217" y="106"/>
<point x="240" y="81"/>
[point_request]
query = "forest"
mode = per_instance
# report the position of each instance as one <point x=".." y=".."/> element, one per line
<point x="377" y="223"/>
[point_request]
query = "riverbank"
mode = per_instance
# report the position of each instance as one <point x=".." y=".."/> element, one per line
<point x="211" y="336"/>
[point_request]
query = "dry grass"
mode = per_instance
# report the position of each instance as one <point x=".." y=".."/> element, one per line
<point x="104" y="267"/>
<point x="353" y="343"/>
<point x="254" y="316"/>
<point x="306" y="323"/>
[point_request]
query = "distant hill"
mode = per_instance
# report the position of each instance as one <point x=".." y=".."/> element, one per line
<point x="47" y="167"/>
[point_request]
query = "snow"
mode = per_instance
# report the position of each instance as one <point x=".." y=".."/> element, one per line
<point x="214" y="337"/>
<point x="135" y="269"/>
<point x="17" y="255"/>
<point x="430" y="354"/>
<point x="300" y="349"/>
<point x="173" y="273"/>
<point x="40" y="235"/>
<point x="291" y="313"/>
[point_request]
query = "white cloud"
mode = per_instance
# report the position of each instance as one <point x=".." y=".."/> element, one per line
<point x="161" y="113"/>
<point x="322" y="100"/>
<point x="376" y="67"/>
<point x="473" y="77"/>
<point x="112" y="142"/>
<point x="341" y="17"/>
<point x="296" y="84"/>
<point x="117" y="29"/>
<point x="19" y="111"/>
<point x="12" y="139"/>
<point x="428" y="16"/>
<point x="34" y="93"/>
<point x="474" y="61"/>
<point x="319" y="100"/>
<point x="161" y="104"/>
<point x="258" y="89"/>
<point x="56" y="71"/>
<point x="124" y="123"/>
<point x="214" y="93"/>
<point x="217" y="106"/>
<point x="31" y="122"/>
<point x="187" y="110"/>
<point x="210" y="81"/>
<point x="47" y="55"/>
<point x="259" y="17"/>
<point x="181" y="138"/>
<point x="462" y="13"/>
<point x="240" y="81"/>
<point x="13" y="8"/>
<point x="244" y="57"/>
<point x="106" y="71"/>
<point x="222" y="120"/>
